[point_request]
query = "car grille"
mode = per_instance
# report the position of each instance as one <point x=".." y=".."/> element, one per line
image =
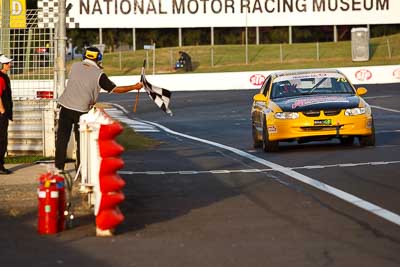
<point x="311" y="113"/>
<point x="319" y="128"/>
<point x="332" y="112"/>
<point x="316" y="113"/>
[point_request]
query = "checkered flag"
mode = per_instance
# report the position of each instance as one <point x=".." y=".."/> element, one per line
<point x="48" y="14"/>
<point x="160" y="96"/>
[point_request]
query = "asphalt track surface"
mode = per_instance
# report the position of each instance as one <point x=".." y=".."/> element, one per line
<point x="205" y="197"/>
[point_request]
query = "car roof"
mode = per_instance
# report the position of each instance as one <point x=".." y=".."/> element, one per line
<point x="302" y="72"/>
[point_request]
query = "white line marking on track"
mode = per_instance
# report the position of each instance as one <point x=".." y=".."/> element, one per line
<point x="347" y="165"/>
<point x="121" y="108"/>
<point x="379" y="163"/>
<point x="250" y="170"/>
<point x="388" y="131"/>
<point x="190" y="172"/>
<point x="387" y="109"/>
<point x="156" y="172"/>
<point x="137" y="126"/>
<point x="219" y="171"/>
<point x="381" y="212"/>
<point x="375" y="97"/>
<point x="314" y="167"/>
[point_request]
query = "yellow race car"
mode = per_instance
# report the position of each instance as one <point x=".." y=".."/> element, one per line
<point x="310" y="105"/>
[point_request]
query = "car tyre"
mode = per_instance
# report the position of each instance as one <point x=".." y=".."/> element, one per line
<point x="368" y="140"/>
<point x="347" y="141"/>
<point x="268" y="146"/>
<point x="256" y="143"/>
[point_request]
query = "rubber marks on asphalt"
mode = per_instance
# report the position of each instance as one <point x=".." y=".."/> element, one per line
<point x="137" y="126"/>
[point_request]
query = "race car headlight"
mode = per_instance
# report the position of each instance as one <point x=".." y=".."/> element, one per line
<point x="287" y="115"/>
<point x="354" y="111"/>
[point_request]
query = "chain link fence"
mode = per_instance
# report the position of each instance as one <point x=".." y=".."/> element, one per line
<point x="32" y="49"/>
<point x="32" y="82"/>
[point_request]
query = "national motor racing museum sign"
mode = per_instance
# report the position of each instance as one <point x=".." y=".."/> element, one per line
<point x="230" y="13"/>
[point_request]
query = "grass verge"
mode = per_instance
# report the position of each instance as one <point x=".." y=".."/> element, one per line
<point x="230" y="58"/>
<point x="25" y="159"/>
<point x="129" y="139"/>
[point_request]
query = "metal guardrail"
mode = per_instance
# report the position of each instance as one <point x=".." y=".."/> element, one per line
<point x="32" y="74"/>
<point x="32" y="130"/>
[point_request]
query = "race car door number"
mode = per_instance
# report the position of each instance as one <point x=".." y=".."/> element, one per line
<point x="322" y="122"/>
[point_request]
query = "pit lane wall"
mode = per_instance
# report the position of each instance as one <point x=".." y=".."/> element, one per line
<point x="254" y="79"/>
<point x="224" y="80"/>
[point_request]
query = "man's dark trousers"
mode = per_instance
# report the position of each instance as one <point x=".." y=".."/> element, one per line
<point x="3" y="137"/>
<point x="68" y="118"/>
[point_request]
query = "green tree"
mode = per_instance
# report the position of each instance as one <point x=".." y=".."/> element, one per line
<point x="82" y="37"/>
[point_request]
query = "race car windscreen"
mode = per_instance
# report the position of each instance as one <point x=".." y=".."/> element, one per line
<point x="310" y="84"/>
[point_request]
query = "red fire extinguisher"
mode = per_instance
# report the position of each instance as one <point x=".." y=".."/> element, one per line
<point x="60" y="184"/>
<point x="51" y="197"/>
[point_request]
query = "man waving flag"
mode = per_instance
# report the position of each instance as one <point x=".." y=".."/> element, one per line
<point x="160" y="96"/>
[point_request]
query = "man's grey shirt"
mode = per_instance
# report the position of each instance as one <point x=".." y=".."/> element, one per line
<point x="83" y="86"/>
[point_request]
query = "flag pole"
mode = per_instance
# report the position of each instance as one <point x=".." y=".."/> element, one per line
<point x="136" y="101"/>
<point x="141" y="80"/>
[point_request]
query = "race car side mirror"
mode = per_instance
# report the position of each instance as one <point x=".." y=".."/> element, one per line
<point x="260" y="97"/>
<point x="361" y="91"/>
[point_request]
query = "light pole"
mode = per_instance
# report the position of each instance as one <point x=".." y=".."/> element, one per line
<point x="61" y="45"/>
<point x="5" y="27"/>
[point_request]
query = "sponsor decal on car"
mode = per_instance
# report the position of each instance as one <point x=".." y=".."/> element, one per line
<point x="312" y="75"/>
<point x="323" y="122"/>
<point x="272" y="129"/>
<point x="318" y="100"/>
<point x="257" y="79"/>
<point x="306" y="75"/>
<point x="396" y="73"/>
<point x="363" y="75"/>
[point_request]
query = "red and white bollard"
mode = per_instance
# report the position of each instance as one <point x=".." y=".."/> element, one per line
<point x="51" y="204"/>
<point x="100" y="162"/>
<point x="109" y="184"/>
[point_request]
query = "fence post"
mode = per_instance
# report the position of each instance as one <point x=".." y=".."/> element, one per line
<point x="171" y="61"/>
<point x="5" y="27"/>
<point x="147" y="60"/>
<point x="212" y="57"/>
<point x="281" y="52"/>
<point x="27" y="59"/>
<point x="247" y="41"/>
<point x="134" y="39"/>
<point x="247" y="48"/>
<point x="62" y="37"/>
<point x="154" y="58"/>
<point x="120" y="60"/>
<point x="389" y="50"/>
<point x="317" y="51"/>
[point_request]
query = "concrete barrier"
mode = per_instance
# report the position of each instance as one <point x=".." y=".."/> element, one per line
<point x="227" y="80"/>
<point x="254" y="79"/>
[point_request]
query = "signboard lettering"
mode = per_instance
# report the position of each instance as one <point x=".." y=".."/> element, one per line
<point x="17" y="14"/>
<point x="363" y="75"/>
<point x="231" y="13"/>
